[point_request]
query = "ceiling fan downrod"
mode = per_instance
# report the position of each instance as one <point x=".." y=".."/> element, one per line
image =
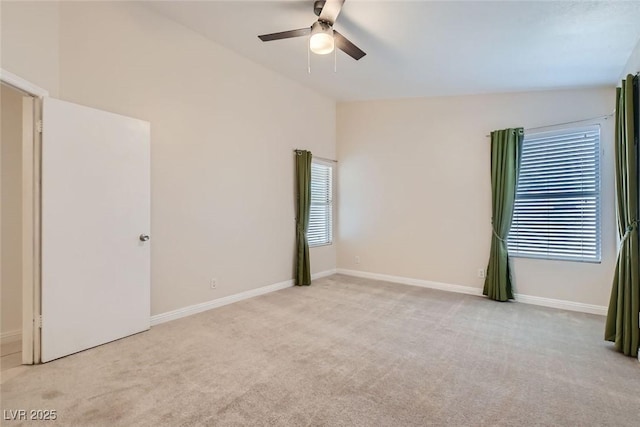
<point x="317" y="7"/>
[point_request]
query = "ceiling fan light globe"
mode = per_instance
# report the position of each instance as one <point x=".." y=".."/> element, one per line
<point x="321" y="43"/>
<point x="321" y="40"/>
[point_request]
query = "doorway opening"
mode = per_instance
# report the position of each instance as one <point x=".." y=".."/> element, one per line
<point x="11" y="101"/>
<point x="64" y="279"/>
<point x="20" y="222"/>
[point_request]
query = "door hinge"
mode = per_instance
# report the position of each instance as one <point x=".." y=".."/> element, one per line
<point x="38" y="321"/>
<point x="39" y="126"/>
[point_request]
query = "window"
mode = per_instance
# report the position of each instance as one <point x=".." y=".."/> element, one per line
<point x="557" y="207"/>
<point x="320" y="230"/>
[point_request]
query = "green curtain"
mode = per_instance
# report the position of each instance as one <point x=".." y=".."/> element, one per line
<point x="622" y="318"/>
<point x="303" y="198"/>
<point x="506" y="150"/>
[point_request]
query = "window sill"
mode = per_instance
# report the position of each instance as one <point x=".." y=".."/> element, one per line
<point x="317" y="245"/>
<point x="542" y="258"/>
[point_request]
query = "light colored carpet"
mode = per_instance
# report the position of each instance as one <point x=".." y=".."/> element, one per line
<point x="346" y="352"/>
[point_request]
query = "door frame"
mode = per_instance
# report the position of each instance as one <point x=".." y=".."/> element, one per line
<point x="31" y="205"/>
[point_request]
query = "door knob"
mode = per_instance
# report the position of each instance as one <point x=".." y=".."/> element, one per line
<point x="144" y="237"/>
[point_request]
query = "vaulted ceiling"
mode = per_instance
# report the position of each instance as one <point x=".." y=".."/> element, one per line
<point x="426" y="48"/>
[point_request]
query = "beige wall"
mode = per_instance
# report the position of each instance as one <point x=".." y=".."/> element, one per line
<point x="29" y="41"/>
<point x="223" y="130"/>
<point x="11" y="216"/>
<point x="415" y="194"/>
<point x="413" y="181"/>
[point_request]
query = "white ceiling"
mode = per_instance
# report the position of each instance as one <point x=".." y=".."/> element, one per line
<point x="426" y="48"/>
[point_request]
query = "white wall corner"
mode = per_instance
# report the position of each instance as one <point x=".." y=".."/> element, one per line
<point x="230" y="299"/>
<point x="633" y="63"/>
<point x="526" y="299"/>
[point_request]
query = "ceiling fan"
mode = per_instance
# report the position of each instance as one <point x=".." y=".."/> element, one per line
<point x="324" y="39"/>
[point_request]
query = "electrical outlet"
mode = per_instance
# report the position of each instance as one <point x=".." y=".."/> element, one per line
<point x="481" y="273"/>
<point x="357" y="260"/>
<point x="214" y="283"/>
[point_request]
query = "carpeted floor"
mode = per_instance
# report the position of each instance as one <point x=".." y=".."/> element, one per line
<point x="345" y="352"/>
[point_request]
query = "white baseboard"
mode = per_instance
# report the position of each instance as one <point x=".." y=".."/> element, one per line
<point x="412" y="282"/>
<point x="526" y="299"/>
<point x="11" y="336"/>
<point x="219" y="302"/>
<point x="562" y="304"/>
<point x="322" y="274"/>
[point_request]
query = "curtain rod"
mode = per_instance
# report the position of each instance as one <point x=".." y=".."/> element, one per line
<point x="320" y="158"/>
<point x="606" y="116"/>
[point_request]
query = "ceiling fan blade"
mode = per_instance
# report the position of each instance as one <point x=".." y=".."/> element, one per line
<point x="285" y="34"/>
<point x="347" y="47"/>
<point x="331" y="10"/>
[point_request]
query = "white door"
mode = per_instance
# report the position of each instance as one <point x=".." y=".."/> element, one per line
<point x="95" y="208"/>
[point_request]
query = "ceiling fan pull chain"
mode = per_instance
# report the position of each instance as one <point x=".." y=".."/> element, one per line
<point x="309" y="56"/>
<point x="335" y="60"/>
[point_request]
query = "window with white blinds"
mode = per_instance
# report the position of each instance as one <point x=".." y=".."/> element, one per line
<point x="320" y="230"/>
<point x="557" y="207"/>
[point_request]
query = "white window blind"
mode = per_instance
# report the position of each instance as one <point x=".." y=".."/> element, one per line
<point x="320" y="230"/>
<point x="557" y="207"/>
